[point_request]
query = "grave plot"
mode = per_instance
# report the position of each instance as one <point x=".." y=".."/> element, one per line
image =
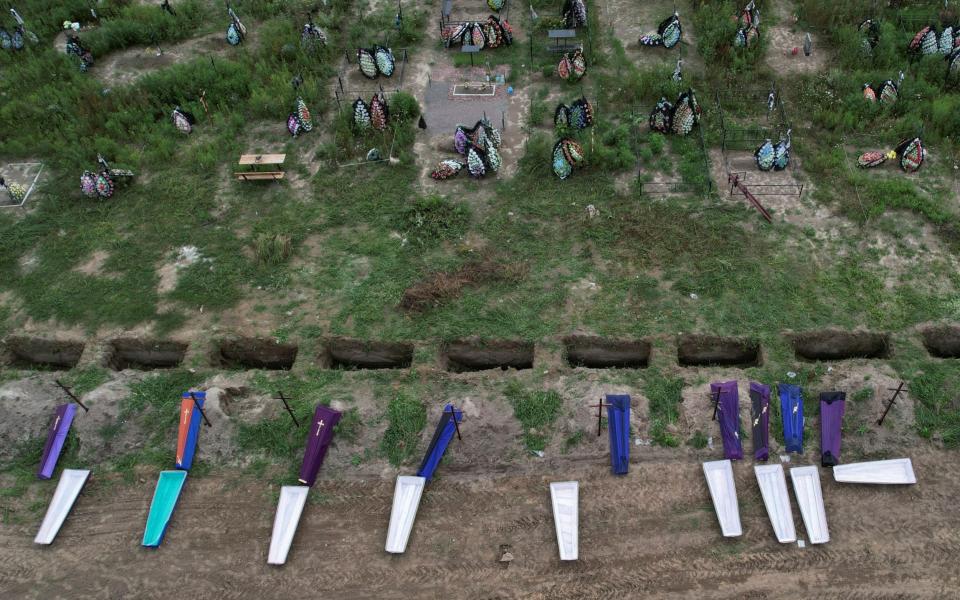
<point x="749" y="118"/>
<point x="666" y="122"/>
<point x="669" y="163"/>
<point x="873" y="159"/>
<point x="787" y="44"/>
<point x="454" y="12"/>
<point x="20" y="183"/>
<point x="366" y="127"/>
<point x="631" y="20"/>
<point x="464" y="97"/>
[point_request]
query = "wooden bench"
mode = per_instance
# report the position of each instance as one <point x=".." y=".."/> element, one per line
<point x="261" y="159"/>
<point x="260" y="175"/>
<point x="569" y="40"/>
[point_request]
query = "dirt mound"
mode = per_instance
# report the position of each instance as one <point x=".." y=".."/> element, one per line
<point x="447" y="285"/>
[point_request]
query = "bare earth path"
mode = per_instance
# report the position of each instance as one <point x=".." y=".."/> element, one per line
<point x="652" y="533"/>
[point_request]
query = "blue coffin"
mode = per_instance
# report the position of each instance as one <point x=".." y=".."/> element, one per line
<point x="791" y="410"/>
<point x="618" y="422"/>
<point x="441" y="439"/>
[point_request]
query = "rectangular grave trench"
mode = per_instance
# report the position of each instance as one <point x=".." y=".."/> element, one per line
<point x="348" y="354"/>
<point x="468" y="356"/>
<point x="144" y="354"/>
<point x="714" y="351"/>
<point x="24" y="352"/>
<point x="943" y="341"/>
<point x="256" y="353"/>
<point x="594" y="352"/>
<point x="836" y="344"/>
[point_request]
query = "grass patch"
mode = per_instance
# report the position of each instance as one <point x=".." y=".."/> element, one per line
<point x="663" y="394"/>
<point x="536" y="411"/>
<point x="406" y="418"/>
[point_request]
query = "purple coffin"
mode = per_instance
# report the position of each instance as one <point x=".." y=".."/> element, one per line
<point x="832" y="406"/>
<point x="760" y="416"/>
<point x="59" y="427"/>
<point x="728" y="414"/>
<point x="318" y="441"/>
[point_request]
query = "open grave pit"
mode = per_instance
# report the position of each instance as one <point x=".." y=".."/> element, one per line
<point x="837" y="344"/>
<point x="694" y="350"/>
<point x="942" y="341"/>
<point x="464" y="356"/>
<point x="24" y="352"/>
<point x="350" y="354"/>
<point x="255" y="353"/>
<point x="604" y="353"/>
<point x="144" y="354"/>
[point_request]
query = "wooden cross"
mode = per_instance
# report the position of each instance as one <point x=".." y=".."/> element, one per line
<point x="196" y="405"/>
<point x="453" y="413"/>
<point x="287" y="406"/>
<point x="599" y="406"/>
<point x="896" y="392"/>
<point x="72" y="397"/>
<point x="716" y="404"/>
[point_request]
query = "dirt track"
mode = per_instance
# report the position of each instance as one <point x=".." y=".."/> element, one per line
<point x="652" y="533"/>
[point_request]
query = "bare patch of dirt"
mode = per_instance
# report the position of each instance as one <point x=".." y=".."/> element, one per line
<point x="784" y="36"/>
<point x="448" y="285"/>
<point x="222" y="527"/>
<point x="126" y="66"/>
<point x="93" y="266"/>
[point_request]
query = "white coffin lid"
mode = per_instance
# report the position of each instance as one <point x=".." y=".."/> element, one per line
<point x="719" y="474"/>
<point x="68" y="488"/>
<point x="806" y="486"/>
<point x="773" y="488"/>
<point x="289" y="509"/>
<point x="406" y="500"/>
<point x="895" y="471"/>
<point x="564" y="495"/>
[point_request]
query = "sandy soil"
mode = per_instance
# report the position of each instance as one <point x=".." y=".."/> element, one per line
<point x="629" y="20"/>
<point x="783" y="35"/>
<point x="127" y="65"/>
<point x="651" y="533"/>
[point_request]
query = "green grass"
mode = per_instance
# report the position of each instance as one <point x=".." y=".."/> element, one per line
<point x="406" y="418"/>
<point x="536" y="410"/>
<point x="81" y="381"/>
<point x="663" y="395"/>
